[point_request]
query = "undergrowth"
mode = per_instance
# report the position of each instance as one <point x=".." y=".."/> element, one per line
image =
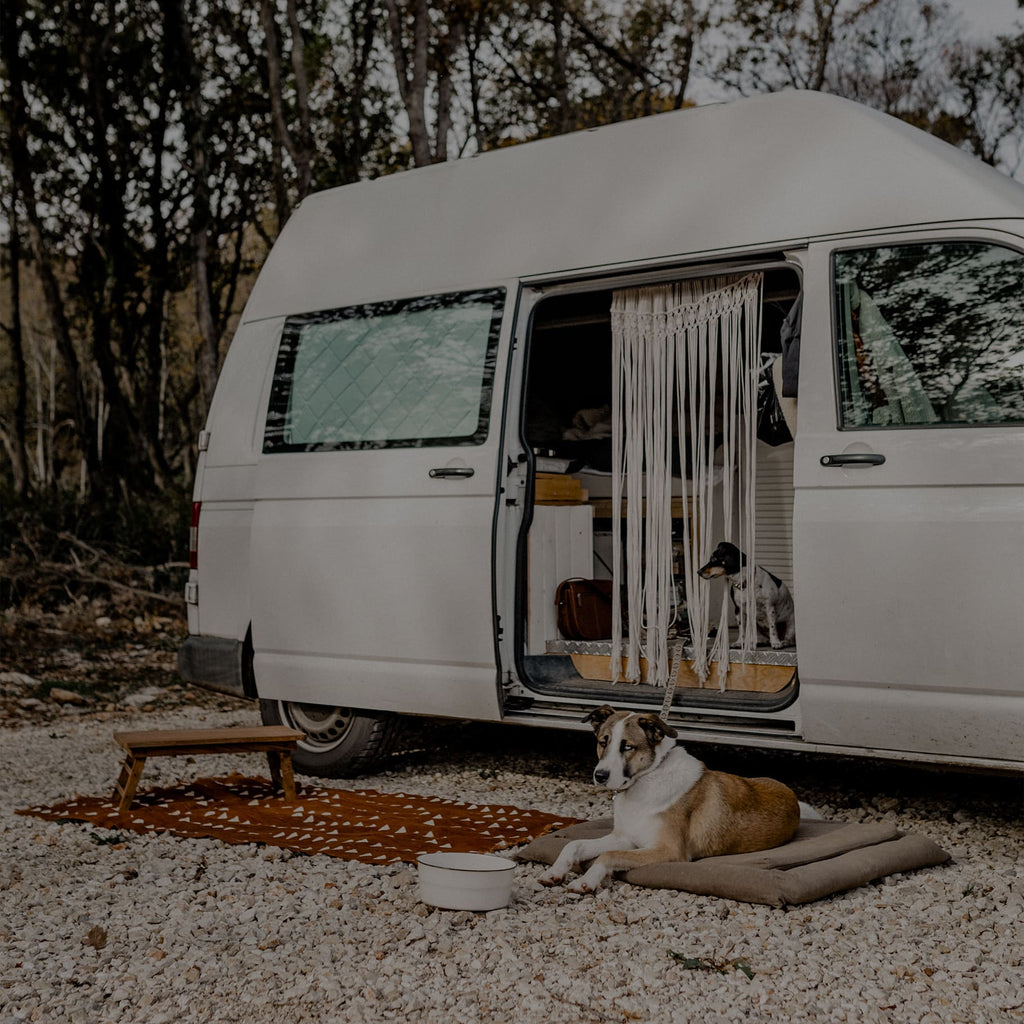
<point x="56" y="550"/>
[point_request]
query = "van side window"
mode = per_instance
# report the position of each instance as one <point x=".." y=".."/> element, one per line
<point x="411" y="373"/>
<point x="930" y="334"/>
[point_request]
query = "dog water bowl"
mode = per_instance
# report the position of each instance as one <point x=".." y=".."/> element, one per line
<point x="465" y="881"/>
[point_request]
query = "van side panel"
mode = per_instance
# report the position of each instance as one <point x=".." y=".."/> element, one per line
<point x="376" y="601"/>
<point x="372" y="558"/>
<point x="225" y="484"/>
<point x="237" y="412"/>
<point x="224" y="576"/>
<point x="924" y="650"/>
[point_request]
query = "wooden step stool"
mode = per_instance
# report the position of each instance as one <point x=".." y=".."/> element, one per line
<point x="277" y="741"/>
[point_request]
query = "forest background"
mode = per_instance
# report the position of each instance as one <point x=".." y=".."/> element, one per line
<point x="152" y="150"/>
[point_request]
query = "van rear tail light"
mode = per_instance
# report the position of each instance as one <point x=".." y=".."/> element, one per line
<point x="193" y="536"/>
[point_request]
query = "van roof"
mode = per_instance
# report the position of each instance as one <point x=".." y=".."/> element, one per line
<point x="757" y="172"/>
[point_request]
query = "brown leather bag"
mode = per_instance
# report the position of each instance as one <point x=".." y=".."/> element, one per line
<point x="584" y="609"/>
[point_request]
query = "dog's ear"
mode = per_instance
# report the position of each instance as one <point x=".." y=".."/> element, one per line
<point x="599" y="716"/>
<point x="655" y="728"/>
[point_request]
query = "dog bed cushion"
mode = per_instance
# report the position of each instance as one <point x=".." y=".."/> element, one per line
<point x="823" y="858"/>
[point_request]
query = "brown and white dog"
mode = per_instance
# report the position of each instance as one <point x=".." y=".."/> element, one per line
<point x="668" y="806"/>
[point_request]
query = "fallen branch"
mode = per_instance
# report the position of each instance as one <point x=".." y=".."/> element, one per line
<point x="40" y="575"/>
<point x="85" y="576"/>
<point x="105" y="556"/>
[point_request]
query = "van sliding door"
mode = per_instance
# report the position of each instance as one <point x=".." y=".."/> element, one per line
<point x="375" y="502"/>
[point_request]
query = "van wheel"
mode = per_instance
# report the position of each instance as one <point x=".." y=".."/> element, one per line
<point x="340" y="743"/>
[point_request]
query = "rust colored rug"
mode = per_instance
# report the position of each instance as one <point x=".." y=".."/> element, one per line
<point x="363" y="825"/>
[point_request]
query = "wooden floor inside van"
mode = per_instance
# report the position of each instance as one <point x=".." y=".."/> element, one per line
<point x="758" y="671"/>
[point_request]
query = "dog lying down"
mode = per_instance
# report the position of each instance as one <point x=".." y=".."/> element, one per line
<point x="772" y="600"/>
<point x="668" y="806"/>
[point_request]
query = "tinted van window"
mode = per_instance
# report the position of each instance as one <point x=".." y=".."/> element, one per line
<point x="416" y="372"/>
<point x="930" y="334"/>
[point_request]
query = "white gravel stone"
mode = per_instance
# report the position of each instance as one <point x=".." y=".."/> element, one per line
<point x="195" y="930"/>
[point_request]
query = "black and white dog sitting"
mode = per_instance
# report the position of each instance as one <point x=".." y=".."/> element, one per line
<point x="772" y="600"/>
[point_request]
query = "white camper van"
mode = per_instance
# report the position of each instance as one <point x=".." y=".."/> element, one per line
<point x="788" y="322"/>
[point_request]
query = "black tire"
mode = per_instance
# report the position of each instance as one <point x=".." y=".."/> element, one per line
<point x="340" y="743"/>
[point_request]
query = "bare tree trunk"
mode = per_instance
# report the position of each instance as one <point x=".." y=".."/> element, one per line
<point x="42" y="479"/>
<point x="107" y="266"/>
<point x="14" y="440"/>
<point x="279" y="128"/>
<point x="350" y="144"/>
<point x="560" y="63"/>
<point x="412" y="74"/>
<point x="152" y="404"/>
<point x="686" y="51"/>
<point x="21" y="172"/>
<point x="445" y="55"/>
<point x="179" y="35"/>
<point x="206" y="364"/>
<point x="825" y="17"/>
<point x="298" y="145"/>
<point x="473" y="41"/>
<point x="302" y="152"/>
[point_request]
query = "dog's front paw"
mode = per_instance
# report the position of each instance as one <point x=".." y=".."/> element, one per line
<point x="589" y="882"/>
<point x="550" y="878"/>
<point x="580" y="887"/>
<point x="557" y="873"/>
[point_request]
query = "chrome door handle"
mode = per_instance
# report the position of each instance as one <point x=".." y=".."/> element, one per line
<point x="451" y="471"/>
<point x="853" y="459"/>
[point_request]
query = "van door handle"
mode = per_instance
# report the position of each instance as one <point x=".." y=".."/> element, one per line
<point x="451" y="471"/>
<point x="853" y="459"/>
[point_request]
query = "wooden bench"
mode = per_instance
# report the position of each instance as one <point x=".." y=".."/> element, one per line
<point x="277" y="741"/>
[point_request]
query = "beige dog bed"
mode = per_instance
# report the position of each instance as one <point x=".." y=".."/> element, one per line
<point x="823" y="858"/>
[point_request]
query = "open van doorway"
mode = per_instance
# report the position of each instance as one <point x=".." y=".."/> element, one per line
<point x="569" y="427"/>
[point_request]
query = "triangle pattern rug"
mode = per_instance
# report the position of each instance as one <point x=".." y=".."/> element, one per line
<point x="363" y="825"/>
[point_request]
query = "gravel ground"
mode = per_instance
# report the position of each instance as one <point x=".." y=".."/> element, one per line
<point x="107" y="928"/>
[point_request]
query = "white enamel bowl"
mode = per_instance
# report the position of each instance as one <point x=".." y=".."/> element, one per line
<point x="465" y="881"/>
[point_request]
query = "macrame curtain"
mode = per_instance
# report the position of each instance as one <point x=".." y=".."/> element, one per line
<point x="684" y="355"/>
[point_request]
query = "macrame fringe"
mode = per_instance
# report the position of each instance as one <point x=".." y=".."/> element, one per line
<point x="670" y="346"/>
